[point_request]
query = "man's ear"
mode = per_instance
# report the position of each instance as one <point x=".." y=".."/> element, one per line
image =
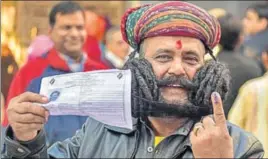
<point x="265" y="60"/>
<point x="50" y="31"/>
<point x="264" y="23"/>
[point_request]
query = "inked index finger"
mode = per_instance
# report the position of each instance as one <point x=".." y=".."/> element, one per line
<point x="218" y="111"/>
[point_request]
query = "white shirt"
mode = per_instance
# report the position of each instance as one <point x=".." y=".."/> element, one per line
<point x="73" y="65"/>
<point x="115" y="60"/>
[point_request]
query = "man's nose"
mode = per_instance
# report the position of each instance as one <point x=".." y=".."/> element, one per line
<point x="177" y="68"/>
<point x="74" y="32"/>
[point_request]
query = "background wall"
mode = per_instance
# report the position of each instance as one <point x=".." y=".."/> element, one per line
<point x="235" y="7"/>
<point x="31" y="14"/>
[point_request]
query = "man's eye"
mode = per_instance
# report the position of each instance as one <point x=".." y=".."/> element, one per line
<point x="191" y="60"/>
<point x="67" y="27"/>
<point x="119" y="42"/>
<point x="80" y="27"/>
<point x="163" y="58"/>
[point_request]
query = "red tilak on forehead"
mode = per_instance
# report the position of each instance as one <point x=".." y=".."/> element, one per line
<point x="178" y="44"/>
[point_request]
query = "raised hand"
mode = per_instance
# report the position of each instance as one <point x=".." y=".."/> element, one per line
<point x="210" y="137"/>
<point x="25" y="117"/>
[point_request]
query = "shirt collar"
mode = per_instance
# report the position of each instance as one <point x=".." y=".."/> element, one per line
<point x="115" y="60"/>
<point x="69" y="59"/>
<point x="123" y="130"/>
<point x="72" y="64"/>
<point x="184" y="130"/>
<point x="266" y="74"/>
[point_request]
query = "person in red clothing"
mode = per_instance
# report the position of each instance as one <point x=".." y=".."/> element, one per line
<point x="96" y="26"/>
<point x="67" y="31"/>
<point x="92" y="48"/>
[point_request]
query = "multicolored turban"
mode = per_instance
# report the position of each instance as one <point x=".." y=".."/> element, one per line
<point x="172" y="18"/>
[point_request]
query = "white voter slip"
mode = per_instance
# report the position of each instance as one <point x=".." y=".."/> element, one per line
<point x="103" y="95"/>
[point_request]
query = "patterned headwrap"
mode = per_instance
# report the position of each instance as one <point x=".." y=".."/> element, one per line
<point x="173" y="18"/>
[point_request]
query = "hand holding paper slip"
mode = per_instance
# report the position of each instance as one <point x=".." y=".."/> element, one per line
<point x="103" y="95"/>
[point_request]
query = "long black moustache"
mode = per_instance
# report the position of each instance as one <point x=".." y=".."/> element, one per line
<point x="159" y="109"/>
<point x="147" y="100"/>
<point x="173" y="80"/>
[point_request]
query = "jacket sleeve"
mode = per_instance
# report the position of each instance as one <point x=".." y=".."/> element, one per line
<point x="68" y="148"/>
<point x="37" y="148"/>
<point x="255" y="151"/>
<point x="246" y="145"/>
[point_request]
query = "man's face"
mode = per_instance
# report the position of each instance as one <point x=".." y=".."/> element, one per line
<point x="95" y="25"/>
<point x="69" y="33"/>
<point x="174" y="57"/>
<point x="117" y="45"/>
<point x="252" y="24"/>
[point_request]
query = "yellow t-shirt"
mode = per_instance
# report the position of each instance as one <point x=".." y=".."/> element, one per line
<point x="157" y="140"/>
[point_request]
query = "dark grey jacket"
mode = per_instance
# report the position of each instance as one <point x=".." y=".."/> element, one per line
<point x="242" y="69"/>
<point x="97" y="140"/>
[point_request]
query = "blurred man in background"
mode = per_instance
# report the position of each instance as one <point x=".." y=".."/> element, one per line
<point x="40" y="45"/>
<point x="217" y="13"/>
<point x="96" y="28"/>
<point x="241" y="68"/>
<point x="67" y="31"/>
<point x="9" y="67"/>
<point x="250" y="110"/>
<point x="95" y="24"/>
<point x="116" y="48"/>
<point x="255" y="25"/>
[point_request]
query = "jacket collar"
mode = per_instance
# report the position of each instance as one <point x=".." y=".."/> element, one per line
<point x="260" y="35"/>
<point x="55" y="61"/>
<point x="124" y="130"/>
<point x="135" y="121"/>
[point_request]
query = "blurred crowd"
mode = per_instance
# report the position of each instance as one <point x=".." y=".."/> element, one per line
<point x="79" y="39"/>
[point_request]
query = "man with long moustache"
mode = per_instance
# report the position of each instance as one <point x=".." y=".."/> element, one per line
<point x="176" y="97"/>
